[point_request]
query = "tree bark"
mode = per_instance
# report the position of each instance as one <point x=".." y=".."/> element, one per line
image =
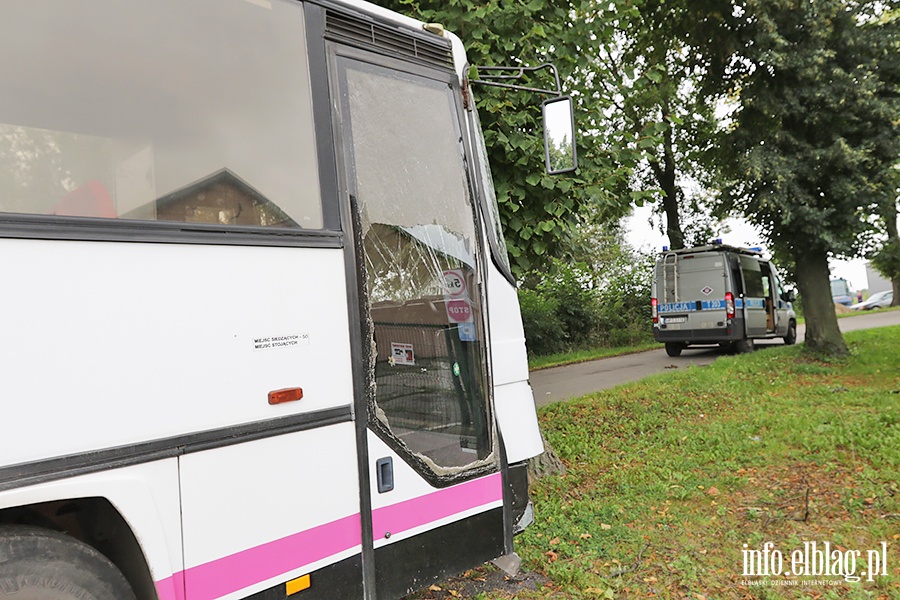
<point x="890" y="222"/>
<point x="822" y="333"/>
<point x="546" y="463"/>
<point x="666" y="177"/>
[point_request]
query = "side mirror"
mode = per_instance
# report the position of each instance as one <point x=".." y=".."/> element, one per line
<point x="789" y="296"/>
<point x="560" y="154"/>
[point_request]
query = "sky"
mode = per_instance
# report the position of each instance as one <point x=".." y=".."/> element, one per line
<point x="642" y="236"/>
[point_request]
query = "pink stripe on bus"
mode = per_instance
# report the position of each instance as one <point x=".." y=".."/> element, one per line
<point x="435" y="506"/>
<point x="171" y="588"/>
<point x="251" y="566"/>
<point x="248" y="567"/>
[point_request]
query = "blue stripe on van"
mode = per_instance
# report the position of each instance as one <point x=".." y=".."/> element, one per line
<point x="682" y="307"/>
<point x="756" y="303"/>
<point x="671" y="307"/>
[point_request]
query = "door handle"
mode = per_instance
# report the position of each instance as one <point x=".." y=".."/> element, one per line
<point x="384" y="474"/>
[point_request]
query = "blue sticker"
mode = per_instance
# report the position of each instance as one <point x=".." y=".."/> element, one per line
<point x="467" y="332"/>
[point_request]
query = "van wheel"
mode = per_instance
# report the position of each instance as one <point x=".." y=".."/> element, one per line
<point x="39" y="564"/>
<point x="674" y="349"/>
<point x="743" y="346"/>
<point x="791" y="338"/>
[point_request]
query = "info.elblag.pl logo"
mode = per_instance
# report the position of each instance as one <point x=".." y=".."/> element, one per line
<point x="816" y="560"/>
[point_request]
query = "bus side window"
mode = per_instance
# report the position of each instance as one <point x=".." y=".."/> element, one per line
<point x="160" y="131"/>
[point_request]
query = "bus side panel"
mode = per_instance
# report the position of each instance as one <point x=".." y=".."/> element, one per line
<point x="120" y="343"/>
<point x="513" y="398"/>
<point x="264" y="512"/>
<point x="147" y="498"/>
<point x="422" y="533"/>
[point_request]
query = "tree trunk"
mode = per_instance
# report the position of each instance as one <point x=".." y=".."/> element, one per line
<point x="822" y="333"/>
<point x="890" y="222"/>
<point x="666" y="177"/>
<point x="546" y="463"/>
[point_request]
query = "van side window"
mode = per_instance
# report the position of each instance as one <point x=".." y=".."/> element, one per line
<point x="753" y="277"/>
<point x="203" y="118"/>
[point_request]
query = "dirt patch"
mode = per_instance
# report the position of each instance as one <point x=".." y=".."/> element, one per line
<point x="483" y="579"/>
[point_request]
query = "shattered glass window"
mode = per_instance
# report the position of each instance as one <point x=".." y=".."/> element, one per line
<point x="419" y="246"/>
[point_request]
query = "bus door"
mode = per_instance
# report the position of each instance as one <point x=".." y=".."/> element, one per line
<point x="432" y="452"/>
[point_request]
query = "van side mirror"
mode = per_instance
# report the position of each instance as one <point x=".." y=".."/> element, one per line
<point x="789" y="296"/>
<point x="560" y="154"/>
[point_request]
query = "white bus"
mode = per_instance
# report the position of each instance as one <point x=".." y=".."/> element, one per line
<point x="249" y="250"/>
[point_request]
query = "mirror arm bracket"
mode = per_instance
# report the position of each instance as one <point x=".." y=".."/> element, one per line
<point x="494" y="76"/>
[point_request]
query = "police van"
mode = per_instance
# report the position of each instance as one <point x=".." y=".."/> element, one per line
<point x="719" y="294"/>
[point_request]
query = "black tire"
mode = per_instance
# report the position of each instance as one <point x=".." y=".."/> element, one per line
<point x="744" y="346"/>
<point x="674" y="348"/>
<point x="791" y="338"/>
<point x="39" y="564"/>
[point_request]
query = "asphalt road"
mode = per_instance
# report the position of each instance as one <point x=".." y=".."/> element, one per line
<point x="572" y="381"/>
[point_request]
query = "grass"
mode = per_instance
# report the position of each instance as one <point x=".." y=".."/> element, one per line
<point x="846" y="313"/>
<point x="670" y="477"/>
<point x="578" y="356"/>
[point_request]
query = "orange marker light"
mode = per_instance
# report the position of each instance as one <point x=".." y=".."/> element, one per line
<point x="297" y="585"/>
<point x="285" y="395"/>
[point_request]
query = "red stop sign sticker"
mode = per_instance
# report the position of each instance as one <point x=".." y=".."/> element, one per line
<point x="459" y="311"/>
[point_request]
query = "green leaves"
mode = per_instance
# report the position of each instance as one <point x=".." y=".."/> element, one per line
<point x="540" y="212"/>
<point x="820" y="122"/>
<point x="812" y="146"/>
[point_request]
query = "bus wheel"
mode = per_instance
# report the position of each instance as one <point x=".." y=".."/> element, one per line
<point x="791" y="338"/>
<point x="674" y="349"/>
<point x="743" y="346"/>
<point x="39" y="564"/>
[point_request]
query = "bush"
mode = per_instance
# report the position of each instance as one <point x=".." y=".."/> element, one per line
<point x="579" y="306"/>
<point x="544" y="332"/>
<point x="625" y="301"/>
<point x="570" y="289"/>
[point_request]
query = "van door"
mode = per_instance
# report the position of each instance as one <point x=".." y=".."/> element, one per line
<point x="754" y="300"/>
<point x="782" y="321"/>
<point x="437" y="490"/>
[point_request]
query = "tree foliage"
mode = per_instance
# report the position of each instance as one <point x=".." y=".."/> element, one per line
<point x="817" y="130"/>
<point x="887" y="258"/>
<point x="540" y="212"/>
<point x="663" y="70"/>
